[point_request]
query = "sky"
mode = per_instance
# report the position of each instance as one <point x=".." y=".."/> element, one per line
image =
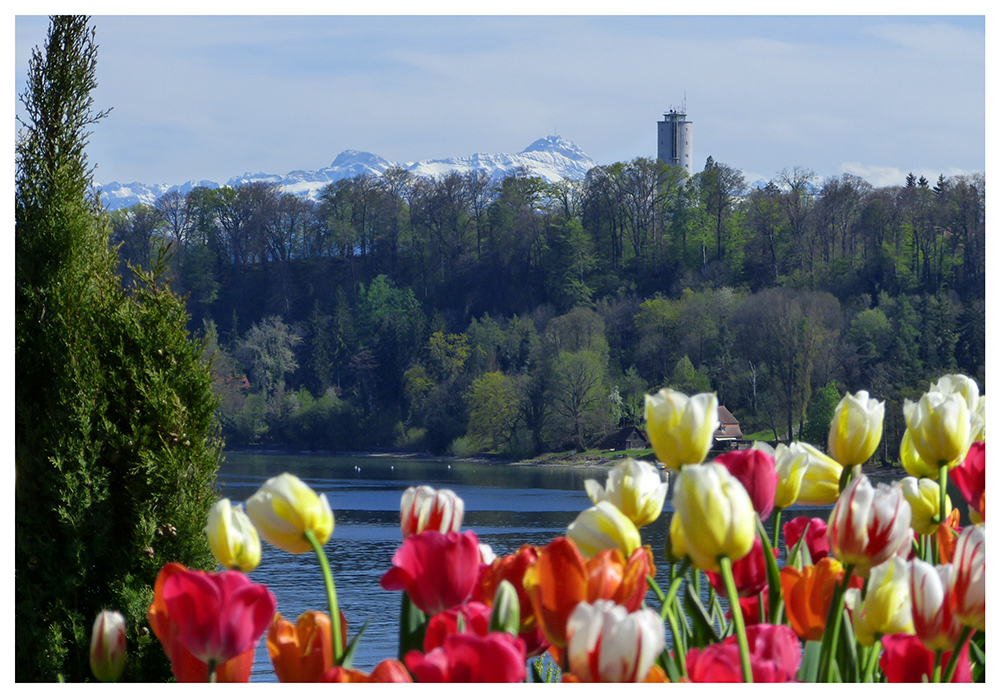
<point x="214" y="97"/>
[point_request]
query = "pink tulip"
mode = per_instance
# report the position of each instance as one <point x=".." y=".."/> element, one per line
<point x="933" y="620"/>
<point x="426" y="509"/>
<point x="475" y="616"/>
<point x="970" y="478"/>
<point x="968" y="589"/>
<point x="436" y="570"/>
<point x="905" y="660"/>
<point x="816" y="540"/>
<point x="755" y="471"/>
<point x="869" y="525"/>
<point x="749" y="573"/>
<point x="775" y="656"/>
<point x="219" y="615"/>
<point x="468" y="658"/>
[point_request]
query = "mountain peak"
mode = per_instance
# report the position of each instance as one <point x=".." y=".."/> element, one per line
<point x="556" y="144"/>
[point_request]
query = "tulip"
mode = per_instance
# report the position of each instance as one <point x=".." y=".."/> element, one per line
<point x="561" y="578"/>
<point x="940" y="427"/>
<point x="968" y="590"/>
<point x="970" y="478"/>
<point x="437" y="570"/>
<point x="933" y="620"/>
<point x="468" y="658"/>
<point x="816" y="540"/>
<point x="755" y="470"/>
<point x="424" y="509"/>
<point x="681" y="428"/>
<point x="905" y="660"/>
<point x="869" y="525"/>
<point x="947" y="537"/>
<point x="790" y="466"/>
<point x="979" y="420"/>
<point x="301" y="653"/>
<point x="856" y="428"/>
<point x="886" y="608"/>
<point x="775" y="657"/>
<point x="475" y="618"/>
<point x="820" y="477"/>
<point x="715" y="516"/>
<point x="749" y="573"/>
<point x="510" y="568"/>
<point x="912" y="462"/>
<point x="232" y="537"/>
<point x="219" y="616"/>
<point x="386" y="671"/>
<point x="603" y="527"/>
<point x="606" y="643"/>
<point x="107" y="646"/>
<point x="958" y="384"/>
<point x="808" y="593"/>
<point x="635" y="488"/>
<point x="924" y="497"/>
<point x="285" y="508"/>
<point x="184" y="665"/>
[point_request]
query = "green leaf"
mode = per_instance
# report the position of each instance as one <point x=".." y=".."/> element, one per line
<point x="701" y="624"/>
<point x="773" y="574"/>
<point x="412" y="627"/>
<point x="348" y="657"/>
<point x="799" y="557"/>
<point x="809" y="668"/>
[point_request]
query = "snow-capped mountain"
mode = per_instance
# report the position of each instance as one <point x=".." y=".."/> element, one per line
<point x="552" y="158"/>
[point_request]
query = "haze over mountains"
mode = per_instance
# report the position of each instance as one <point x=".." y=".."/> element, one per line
<point x="552" y="158"/>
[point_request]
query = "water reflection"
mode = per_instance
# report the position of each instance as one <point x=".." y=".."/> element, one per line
<point x="507" y="506"/>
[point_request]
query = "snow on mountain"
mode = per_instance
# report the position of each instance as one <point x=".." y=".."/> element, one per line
<point x="552" y="158"/>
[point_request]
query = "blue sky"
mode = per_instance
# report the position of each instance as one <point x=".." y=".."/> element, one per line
<point x="199" y="97"/>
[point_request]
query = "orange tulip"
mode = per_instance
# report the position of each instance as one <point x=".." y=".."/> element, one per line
<point x="947" y="536"/>
<point x="562" y="577"/>
<point x="386" y="671"/>
<point x="808" y="593"/>
<point x="302" y="652"/>
<point x="511" y="568"/>
<point x="184" y="665"/>
<point x="655" y="675"/>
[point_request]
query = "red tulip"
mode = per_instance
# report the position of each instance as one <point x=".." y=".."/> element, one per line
<point x="475" y="616"/>
<point x="184" y="665"/>
<point x="220" y="615"/>
<point x="970" y="478"/>
<point x="386" y="671"/>
<point x="775" y="656"/>
<point x="468" y="658"/>
<point x="905" y="660"/>
<point x="749" y="573"/>
<point x="755" y="471"/>
<point x="437" y="570"/>
<point x="816" y="540"/>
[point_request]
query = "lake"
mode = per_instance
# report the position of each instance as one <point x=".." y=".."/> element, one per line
<point x="506" y="505"/>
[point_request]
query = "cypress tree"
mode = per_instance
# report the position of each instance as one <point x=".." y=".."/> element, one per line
<point x="116" y="445"/>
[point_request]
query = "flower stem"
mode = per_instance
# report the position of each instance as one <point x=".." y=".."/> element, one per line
<point x="331" y="596"/>
<point x="777" y="528"/>
<point x="831" y="634"/>
<point x="876" y="650"/>
<point x="949" y="673"/>
<point x="937" y="666"/>
<point x="943" y="484"/>
<point x="734" y="605"/>
<point x="212" y="673"/>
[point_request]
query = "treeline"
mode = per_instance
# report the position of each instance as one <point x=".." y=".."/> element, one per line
<point x="459" y="313"/>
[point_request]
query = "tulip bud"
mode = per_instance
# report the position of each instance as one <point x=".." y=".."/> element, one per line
<point x="940" y="426"/>
<point x="933" y="620"/>
<point x="886" y="607"/>
<point x="606" y="643"/>
<point x="856" y="428"/>
<point x="790" y="465"/>
<point x="681" y="428"/>
<point x="715" y="516"/>
<point x="285" y="508"/>
<point x="912" y="462"/>
<point x="506" y="615"/>
<point x="107" y="646"/>
<point x="968" y="591"/>
<point x="820" y="477"/>
<point x="924" y="496"/>
<point x="603" y="527"/>
<point x="422" y="509"/>
<point x="232" y="537"/>
<point x="869" y="525"/>
<point x="635" y="488"/>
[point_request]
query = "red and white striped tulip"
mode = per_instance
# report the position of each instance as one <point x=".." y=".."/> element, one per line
<point x="968" y="590"/>
<point x="933" y="620"/>
<point x="608" y="644"/>
<point x="869" y="525"/>
<point x="426" y="509"/>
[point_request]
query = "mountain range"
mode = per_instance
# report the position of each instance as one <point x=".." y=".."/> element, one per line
<point x="552" y="158"/>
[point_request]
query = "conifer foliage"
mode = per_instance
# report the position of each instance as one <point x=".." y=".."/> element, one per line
<point x="115" y="445"/>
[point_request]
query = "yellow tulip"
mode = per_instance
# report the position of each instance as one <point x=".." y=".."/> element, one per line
<point x="886" y="607"/>
<point x="681" y="428"/>
<point x="924" y="496"/>
<point x="603" y="527"/>
<point x="715" y="516"/>
<point x="941" y="428"/>
<point x="635" y="488"/>
<point x="911" y="460"/>
<point x="285" y="508"/>
<point x="856" y="428"/>
<point x="820" y="478"/>
<point x="232" y="537"/>
<point x="790" y="464"/>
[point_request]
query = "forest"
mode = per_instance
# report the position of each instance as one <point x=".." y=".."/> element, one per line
<point x="464" y="315"/>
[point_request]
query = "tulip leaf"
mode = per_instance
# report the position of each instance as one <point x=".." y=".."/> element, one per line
<point x="978" y="657"/>
<point x="799" y="557"/>
<point x="348" y="656"/>
<point x="412" y="627"/>
<point x="809" y="669"/>
<point x="701" y="624"/>
<point x="847" y="652"/>
<point x="773" y="575"/>
<point x="506" y="615"/>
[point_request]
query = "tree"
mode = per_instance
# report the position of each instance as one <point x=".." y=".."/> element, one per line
<point x="494" y="409"/>
<point x="580" y="397"/>
<point x="116" y="446"/>
<point x="268" y="354"/>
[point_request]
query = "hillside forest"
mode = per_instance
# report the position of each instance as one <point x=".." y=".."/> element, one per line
<point x="461" y="315"/>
